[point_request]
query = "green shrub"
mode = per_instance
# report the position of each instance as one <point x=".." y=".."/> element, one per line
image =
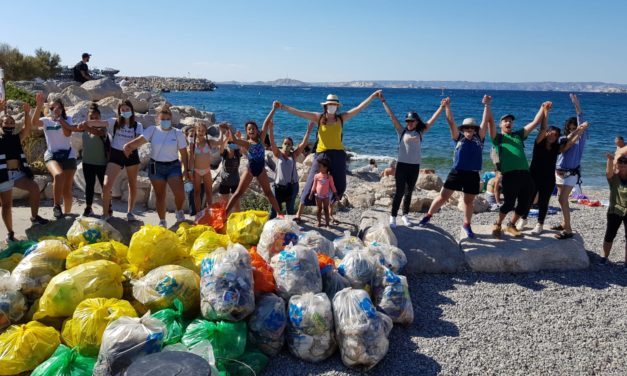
<point x="13" y="92"/>
<point x="254" y="201"/>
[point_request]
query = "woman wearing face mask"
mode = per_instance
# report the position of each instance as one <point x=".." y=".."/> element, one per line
<point x="60" y="157"/>
<point x="168" y="153"/>
<point x="285" y="187"/>
<point x="16" y="172"/>
<point x="329" y="141"/>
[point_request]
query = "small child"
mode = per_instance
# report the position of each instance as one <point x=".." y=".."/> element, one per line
<point x="323" y="183"/>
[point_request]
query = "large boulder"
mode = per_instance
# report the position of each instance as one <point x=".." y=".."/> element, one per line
<point x="143" y="189"/>
<point x="70" y="96"/>
<point x="80" y="112"/>
<point x="429" y="182"/>
<point x="144" y="155"/>
<point x="102" y="88"/>
<point x="481" y="205"/>
<point x="139" y="105"/>
<point x="79" y="180"/>
<point x="421" y="200"/>
<point x="147" y="120"/>
<point x="41" y="180"/>
<point x="188" y="111"/>
<point x="111" y="103"/>
<point x="531" y="253"/>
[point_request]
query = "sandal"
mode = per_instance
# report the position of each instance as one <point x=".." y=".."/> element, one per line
<point x="557" y="227"/>
<point x="564" y="235"/>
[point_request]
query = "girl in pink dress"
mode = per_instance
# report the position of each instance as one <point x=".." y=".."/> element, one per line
<point x="322" y="186"/>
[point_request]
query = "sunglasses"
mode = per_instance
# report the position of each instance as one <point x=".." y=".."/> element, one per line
<point x="410" y="121"/>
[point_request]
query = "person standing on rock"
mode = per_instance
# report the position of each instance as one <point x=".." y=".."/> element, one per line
<point x="329" y="142"/>
<point x="409" y="157"/>
<point x="516" y="179"/>
<point x="617" y="209"/>
<point x="568" y="166"/>
<point x="168" y="153"/>
<point x="15" y="171"/>
<point x="464" y="176"/>
<point x="60" y="157"/>
<point x="81" y="70"/>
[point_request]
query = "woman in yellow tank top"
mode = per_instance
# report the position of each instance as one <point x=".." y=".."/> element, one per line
<point x="328" y="142"/>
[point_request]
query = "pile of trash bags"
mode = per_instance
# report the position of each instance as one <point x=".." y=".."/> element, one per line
<point x="230" y="298"/>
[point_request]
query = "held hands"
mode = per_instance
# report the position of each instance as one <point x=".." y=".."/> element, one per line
<point x="583" y="126"/>
<point x="276" y="105"/>
<point x="39" y="99"/>
<point x="445" y="102"/>
<point x="487" y="100"/>
<point x="378" y="94"/>
<point x="26" y="108"/>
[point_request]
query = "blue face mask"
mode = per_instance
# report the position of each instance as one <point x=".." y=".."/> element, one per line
<point x="233" y="146"/>
<point x="126" y="114"/>
<point x="165" y="124"/>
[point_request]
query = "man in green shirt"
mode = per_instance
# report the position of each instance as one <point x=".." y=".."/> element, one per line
<point x="516" y="179"/>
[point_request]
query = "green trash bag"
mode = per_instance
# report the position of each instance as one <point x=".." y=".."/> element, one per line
<point x="173" y="321"/>
<point x="227" y="338"/>
<point x="252" y="363"/>
<point x="66" y="362"/>
<point x="16" y="247"/>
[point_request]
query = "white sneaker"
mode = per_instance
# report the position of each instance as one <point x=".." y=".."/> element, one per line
<point x="538" y="229"/>
<point x="520" y="225"/>
<point x="406" y="221"/>
<point x="180" y="216"/>
<point x="163" y="223"/>
<point x="392" y="222"/>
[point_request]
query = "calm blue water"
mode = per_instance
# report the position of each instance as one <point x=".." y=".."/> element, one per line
<point x="371" y="134"/>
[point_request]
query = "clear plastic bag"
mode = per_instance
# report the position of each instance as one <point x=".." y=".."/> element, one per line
<point x="226" y="285"/>
<point x="277" y="233"/>
<point x="206" y="243"/>
<point x="309" y="332"/>
<point x="362" y="332"/>
<point x="266" y="326"/>
<point x="314" y="240"/>
<point x="126" y="339"/>
<point x="391" y="295"/>
<point x="87" y="230"/>
<point x="388" y="255"/>
<point x="296" y="271"/>
<point x="380" y="233"/>
<point x="161" y="286"/>
<point x="154" y="246"/>
<point x="346" y="243"/>
<point x="332" y="282"/>
<point x="40" y="263"/>
<point x="24" y="347"/>
<point x="360" y="268"/>
<point x="245" y="227"/>
<point x="12" y="303"/>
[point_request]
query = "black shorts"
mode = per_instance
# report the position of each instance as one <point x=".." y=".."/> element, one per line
<point x="464" y="181"/>
<point x="118" y="157"/>
<point x="226" y="189"/>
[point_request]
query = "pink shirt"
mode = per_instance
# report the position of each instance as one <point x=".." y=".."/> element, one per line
<point x="322" y="184"/>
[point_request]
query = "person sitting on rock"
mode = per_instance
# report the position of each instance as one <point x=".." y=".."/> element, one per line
<point x="493" y="192"/>
<point x="617" y="208"/>
<point x="464" y="176"/>
<point x="81" y="70"/>
<point x="619" y="141"/>
<point x="390" y="170"/>
<point x="15" y="171"/>
<point x="514" y="167"/>
<point x="409" y="157"/>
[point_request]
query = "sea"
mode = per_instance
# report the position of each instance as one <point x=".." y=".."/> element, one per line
<point x="371" y="135"/>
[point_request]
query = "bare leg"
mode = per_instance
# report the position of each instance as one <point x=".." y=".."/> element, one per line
<point x="57" y="181"/>
<point x="563" y="192"/>
<point x="319" y="213"/>
<point x="325" y="205"/>
<point x="267" y="190"/>
<point x="469" y="206"/>
<point x="607" y="247"/>
<point x="176" y="185"/>
<point x="208" y="180"/>
<point x="244" y="182"/>
<point x="68" y="182"/>
<point x="160" y="187"/>
<point x="500" y="219"/>
<point x="445" y="194"/>
<point x="197" y="186"/>
<point x="33" y="193"/>
<point x="6" y="198"/>
<point x="131" y="172"/>
<point x="111" y="174"/>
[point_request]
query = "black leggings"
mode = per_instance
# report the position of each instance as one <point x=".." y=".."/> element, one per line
<point x="517" y="188"/>
<point x="406" y="177"/>
<point x="543" y="186"/>
<point x="90" y="172"/>
<point x="613" y="224"/>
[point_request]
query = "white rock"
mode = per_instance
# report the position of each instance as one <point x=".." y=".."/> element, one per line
<point x="170" y="206"/>
<point x="74" y="94"/>
<point x="139" y="105"/>
<point x="481" y="205"/>
<point x="102" y="88"/>
<point x="309" y="160"/>
<point x="429" y="182"/>
<point x="111" y="103"/>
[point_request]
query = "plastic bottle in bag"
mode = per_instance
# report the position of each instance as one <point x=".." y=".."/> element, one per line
<point x="380" y="233"/>
<point x="161" y="286"/>
<point x="360" y="268"/>
<point x="314" y="240"/>
<point x="346" y="243"/>
<point x="362" y="332"/>
<point x="87" y="230"/>
<point x="226" y="285"/>
<point x="12" y="302"/>
<point x="296" y="271"/>
<point x="388" y="255"/>
<point x="266" y="326"/>
<point x="310" y="333"/>
<point x="391" y="295"/>
<point x="277" y="233"/>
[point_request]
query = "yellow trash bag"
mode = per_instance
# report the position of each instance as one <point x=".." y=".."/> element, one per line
<point x="90" y="319"/>
<point x="189" y="263"/>
<point x="9" y="263"/>
<point x="87" y="230"/>
<point x="154" y="246"/>
<point x="24" y="347"/>
<point x="189" y="233"/>
<point x="245" y="227"/>
<point x="120" y="249"/>
<point x="92" y="252"/>
<point x="160" y="287"/>
<point x="95" y="279"/>
<point x="207" y="243"/>
<point x="41" y="262"/>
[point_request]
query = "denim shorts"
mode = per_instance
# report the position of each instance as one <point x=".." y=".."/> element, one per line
<point x="164" y="170"/>
<point x="14" y="175"/>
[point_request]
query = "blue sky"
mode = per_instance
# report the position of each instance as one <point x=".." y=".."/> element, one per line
<point x="481" y="40"/>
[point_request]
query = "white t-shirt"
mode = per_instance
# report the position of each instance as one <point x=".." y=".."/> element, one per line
<point x="164" y="144"/>
<point x="55" y="139"/>
<point x="123" y="134"/>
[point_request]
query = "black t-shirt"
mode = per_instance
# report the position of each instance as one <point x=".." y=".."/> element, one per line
<point x="543" y="160"/>
<point x="81" y="66"/>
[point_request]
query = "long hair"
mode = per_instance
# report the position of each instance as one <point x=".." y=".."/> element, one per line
<point x="420" y="125"/>
<point x="258" y="140"/>
<point x="569" y="121"/>
<point x="60" y="103"/>
<point x="120" y="119"/>
<point x="93" y="108"/>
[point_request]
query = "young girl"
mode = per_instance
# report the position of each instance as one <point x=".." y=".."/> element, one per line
<point x="95" y="145"/>
<point x="201" y="154"/>
<point x="229" y="176"/>
<point x="322" y="185"/>
<point x="256" y="162"/>
<point x="617" y="209"/>
<point x="60" y="157"/>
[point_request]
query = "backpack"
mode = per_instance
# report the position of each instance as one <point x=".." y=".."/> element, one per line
<point x="315" y="145"/>
<point x="400" y="139"/>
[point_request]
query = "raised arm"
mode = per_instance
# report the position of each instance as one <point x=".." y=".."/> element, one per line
<point x="237" y="139"/>
<point x="25" y="132"/>
<point x="609" y="166"/>
<point x="311" y="116"/>
<point x="305" y="140"/>
<point x="536" y="120"/>
<point x="487" y="116"/>
<point x="450" y="119"/>
<point x="275" y="149"/>
<point x="387" y="109"/>
<point x="574" y="136"/>
<point x="544" y="126"/>
<point x="224" y="139"/>
<point x="355" y="110"/>
<point x="575" y="100"/>
<point x="435" y="116"/>
<point x="491" y="123"/>
<point x="268" y="121"/>
<point x="39" y="107"/>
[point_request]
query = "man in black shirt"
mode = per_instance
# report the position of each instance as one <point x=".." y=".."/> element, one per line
<point x="81" y="72"/>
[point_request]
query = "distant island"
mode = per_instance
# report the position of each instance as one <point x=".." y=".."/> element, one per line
<point x="595" y="87"/>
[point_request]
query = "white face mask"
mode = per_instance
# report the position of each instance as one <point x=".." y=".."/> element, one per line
<point x="331" y="109"/>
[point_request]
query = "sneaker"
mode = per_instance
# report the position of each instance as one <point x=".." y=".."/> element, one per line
<point x="538" y="229"/>
<point x="603" y="260"/>
<point x="497" y="231"/>
<point x="88" y="212"/>
<point x="57" y="212"/>
<point x="180" y="216"/>
<point x="106" y="217"/>
<point x="392" y="222"/>
<point x="10" y="237"/>
<point x="406" y="221"/>
<point x="520" y="225"/>
<point x="163" y="223"/>
<point x="423" y="222"/>
<point x="130" y="217"/>
<point x="513" y="231"/>
<point x="37" y="220"/>
<point x="469" y="233"/>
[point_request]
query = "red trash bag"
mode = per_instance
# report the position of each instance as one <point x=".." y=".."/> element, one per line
<point x="262" y="272"/>
<point x="326" y="263"/>
<point x="214" y="216"/>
